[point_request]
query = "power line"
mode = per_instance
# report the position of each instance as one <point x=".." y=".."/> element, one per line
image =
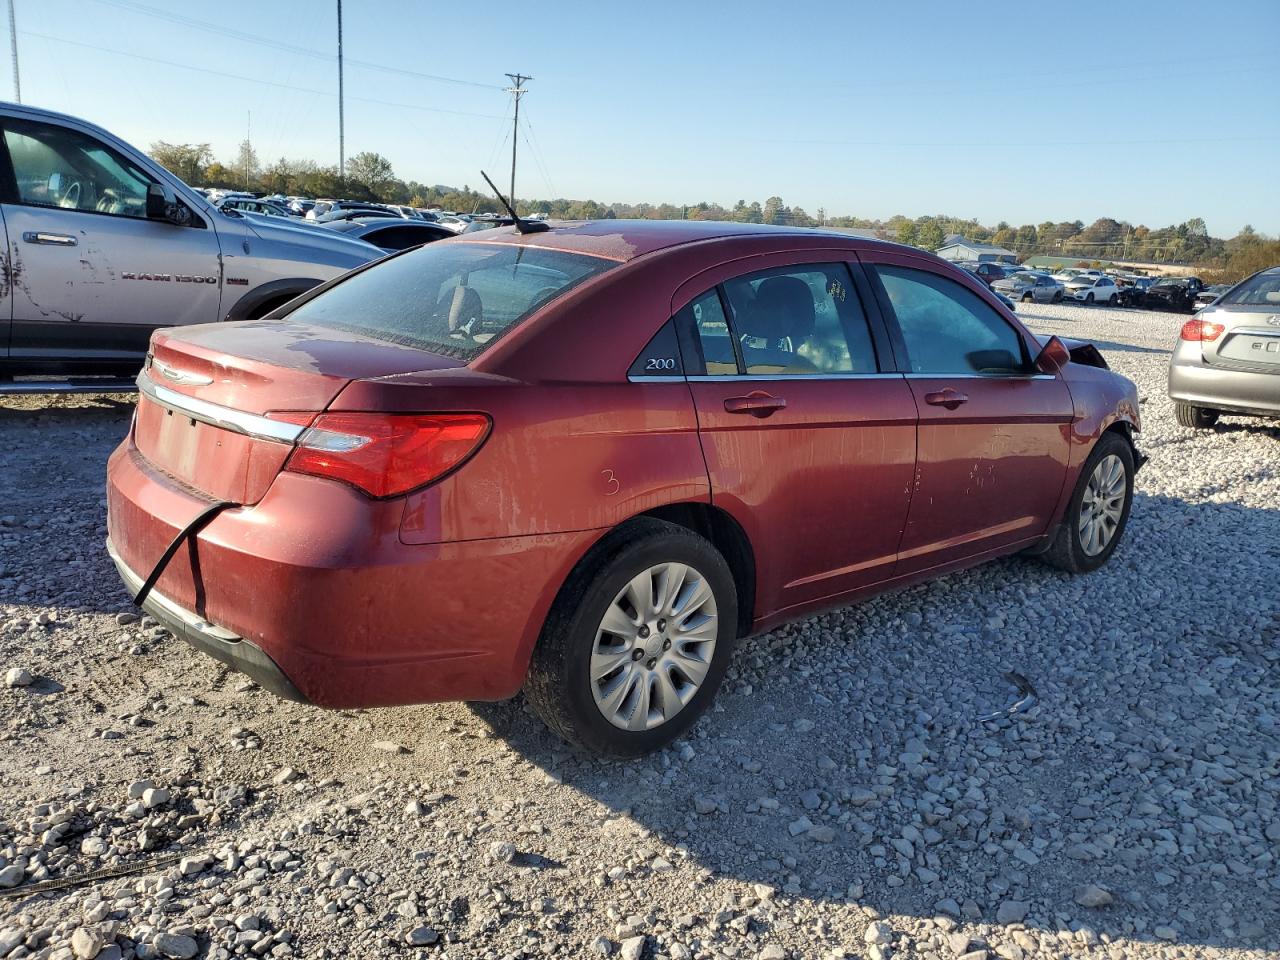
<point x="237" y="76"/>
<point x="195" y="24"/>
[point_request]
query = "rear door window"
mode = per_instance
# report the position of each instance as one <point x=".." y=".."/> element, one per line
<point x="802" y="320"/>
<point x="450" y="298"/>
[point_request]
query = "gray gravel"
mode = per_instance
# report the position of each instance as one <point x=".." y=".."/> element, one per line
<point x="839" y="801"/>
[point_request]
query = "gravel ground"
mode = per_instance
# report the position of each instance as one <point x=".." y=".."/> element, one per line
<point x="839" y="801"/>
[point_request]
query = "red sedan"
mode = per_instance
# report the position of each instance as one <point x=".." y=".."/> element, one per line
<point x="585" y="462"/>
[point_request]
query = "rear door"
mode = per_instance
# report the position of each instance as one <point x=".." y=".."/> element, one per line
<point x="91" y="276"/>
<point x="809" y="441"/>
<point x="993" y="446"/>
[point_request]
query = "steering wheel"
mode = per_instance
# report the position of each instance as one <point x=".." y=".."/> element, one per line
<point x="109" y="202"/>
<point x="71" y="196"/>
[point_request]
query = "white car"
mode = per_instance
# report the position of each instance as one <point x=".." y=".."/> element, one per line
<point x="1091" y="289"/>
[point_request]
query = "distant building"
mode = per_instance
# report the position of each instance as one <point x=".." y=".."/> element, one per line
<point x="958" y="248"/>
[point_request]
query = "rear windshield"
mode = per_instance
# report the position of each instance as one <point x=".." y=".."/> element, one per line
<point x="1261" y="290"/>
<point x="450" y="298"/>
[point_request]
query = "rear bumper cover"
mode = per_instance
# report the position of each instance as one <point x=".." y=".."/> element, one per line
<point x="312" y="592"/>
<point x="1193" y="381"/>
<point x="219" y="643"/>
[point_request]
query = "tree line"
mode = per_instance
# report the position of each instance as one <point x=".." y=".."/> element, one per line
<point x="370" y="176"/>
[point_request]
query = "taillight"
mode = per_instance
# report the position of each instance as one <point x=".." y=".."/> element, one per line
<point x="1201" y="330"/>
<point x="384" y="454"/>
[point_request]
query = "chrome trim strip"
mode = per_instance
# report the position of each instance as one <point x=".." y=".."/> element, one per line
<point x="237" y="421"/>
<point x="157" y="599"/>
<point x="1250" y="332"/>
<point x="980" y="376"/>
<point x="798" y="377"/>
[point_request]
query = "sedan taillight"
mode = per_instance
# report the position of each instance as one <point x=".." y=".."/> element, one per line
<point x="1201" y="330"/>
<point x="385" y="455"/>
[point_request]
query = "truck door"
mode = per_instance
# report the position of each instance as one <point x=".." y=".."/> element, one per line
<point x="90" y="276"/>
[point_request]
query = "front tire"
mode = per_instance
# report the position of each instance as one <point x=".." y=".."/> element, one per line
<point x="1098" y="512"/>
<point x="637" y="642"/>
<point x="1026" y="297"/>
<point x="1197" y="418"/>
<point x="1088" y="298"/>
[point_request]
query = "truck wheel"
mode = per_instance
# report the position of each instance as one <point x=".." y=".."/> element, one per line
<point x="1197" y="418"/>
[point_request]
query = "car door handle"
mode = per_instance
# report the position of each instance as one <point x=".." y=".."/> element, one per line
<point x="53" y="239"/>
<point x="759" y="405"/>
<point x="946" y="398"/>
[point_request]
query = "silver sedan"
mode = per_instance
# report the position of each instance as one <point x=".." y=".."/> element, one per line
<point x="1227" y="359"/>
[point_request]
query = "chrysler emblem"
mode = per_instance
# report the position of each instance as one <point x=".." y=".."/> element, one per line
<point x="180" y="376"/>
<point x="1274" y="320"/>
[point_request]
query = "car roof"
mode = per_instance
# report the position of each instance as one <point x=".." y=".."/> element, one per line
<point x="624" y="240"/>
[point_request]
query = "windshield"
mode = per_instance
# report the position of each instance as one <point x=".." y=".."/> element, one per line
<point x="1260" y="290"/>
<point x="450" y="298"/>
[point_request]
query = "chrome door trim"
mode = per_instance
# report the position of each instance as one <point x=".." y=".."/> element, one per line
<point x="215" y="414"/>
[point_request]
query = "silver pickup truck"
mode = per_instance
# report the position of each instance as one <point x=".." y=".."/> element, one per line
<point x="102" y="245"/>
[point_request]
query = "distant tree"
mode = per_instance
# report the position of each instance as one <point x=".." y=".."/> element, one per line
<point x="930" y="234"/>
<point x="186" y="161"/>
<point x="907" y="232"/>
<point x="774" y="211"/>
<point x="216" y="175"/>
<point x="372" y="171"/>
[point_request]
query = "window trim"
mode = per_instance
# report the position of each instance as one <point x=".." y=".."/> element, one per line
<point x="872" y="266"/>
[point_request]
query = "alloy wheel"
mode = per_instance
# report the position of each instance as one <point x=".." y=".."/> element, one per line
<point x="654" y="646"/>
<point x="1102" y="505"/>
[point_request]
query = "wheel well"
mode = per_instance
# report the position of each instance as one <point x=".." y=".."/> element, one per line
<point x="262" y="309"/>
<point x="726" y="536"/>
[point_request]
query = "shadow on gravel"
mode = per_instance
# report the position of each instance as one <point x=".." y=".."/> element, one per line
<point x="843" y="762"/>
<point x="87" y="408"/>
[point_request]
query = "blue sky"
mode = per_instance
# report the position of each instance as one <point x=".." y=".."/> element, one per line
<point x="1148" y="112"/>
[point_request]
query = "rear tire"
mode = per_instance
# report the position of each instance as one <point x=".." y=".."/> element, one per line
<point x="1057" y="297"/>
<point x="571" y="683"/>
<point x="1095" y="495"/>
<point x="1197" y="418"/>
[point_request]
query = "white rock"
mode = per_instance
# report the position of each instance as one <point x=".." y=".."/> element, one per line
<point x="155" y="797"/>
<point x="17" y="677"/>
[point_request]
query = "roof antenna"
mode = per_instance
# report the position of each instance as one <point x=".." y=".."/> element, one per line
<point x="522" y="226"/>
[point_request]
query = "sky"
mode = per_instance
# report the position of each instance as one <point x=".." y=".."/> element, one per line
<point x="1150" y="112"/>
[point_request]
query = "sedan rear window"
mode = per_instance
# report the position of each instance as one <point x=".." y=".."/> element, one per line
<point x="1260" y="290"/>
<point x="450" y="298"/>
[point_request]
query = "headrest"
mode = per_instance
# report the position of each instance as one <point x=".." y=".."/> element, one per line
<point x="783" y="307"/>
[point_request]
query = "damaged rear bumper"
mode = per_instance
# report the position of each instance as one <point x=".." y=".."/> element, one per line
<point x="221" y="644"/>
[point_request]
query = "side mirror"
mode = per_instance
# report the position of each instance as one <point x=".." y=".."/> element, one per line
<point x="163" y="205"/>
<point x="1053" y="356"/>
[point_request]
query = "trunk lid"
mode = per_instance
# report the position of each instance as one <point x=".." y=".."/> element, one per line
<point x="205" y="390"/>
<point x="1250" y="340"/>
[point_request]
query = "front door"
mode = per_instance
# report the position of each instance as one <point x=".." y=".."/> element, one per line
<point x="90" y="275"/>
<point x="807" y="441"/>
<point x="993" y="440"/>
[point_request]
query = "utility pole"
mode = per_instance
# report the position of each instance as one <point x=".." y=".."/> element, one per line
<point x="517" y="91"/>
<point x="13" y="49"/>
<point x="342" y="154"/>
